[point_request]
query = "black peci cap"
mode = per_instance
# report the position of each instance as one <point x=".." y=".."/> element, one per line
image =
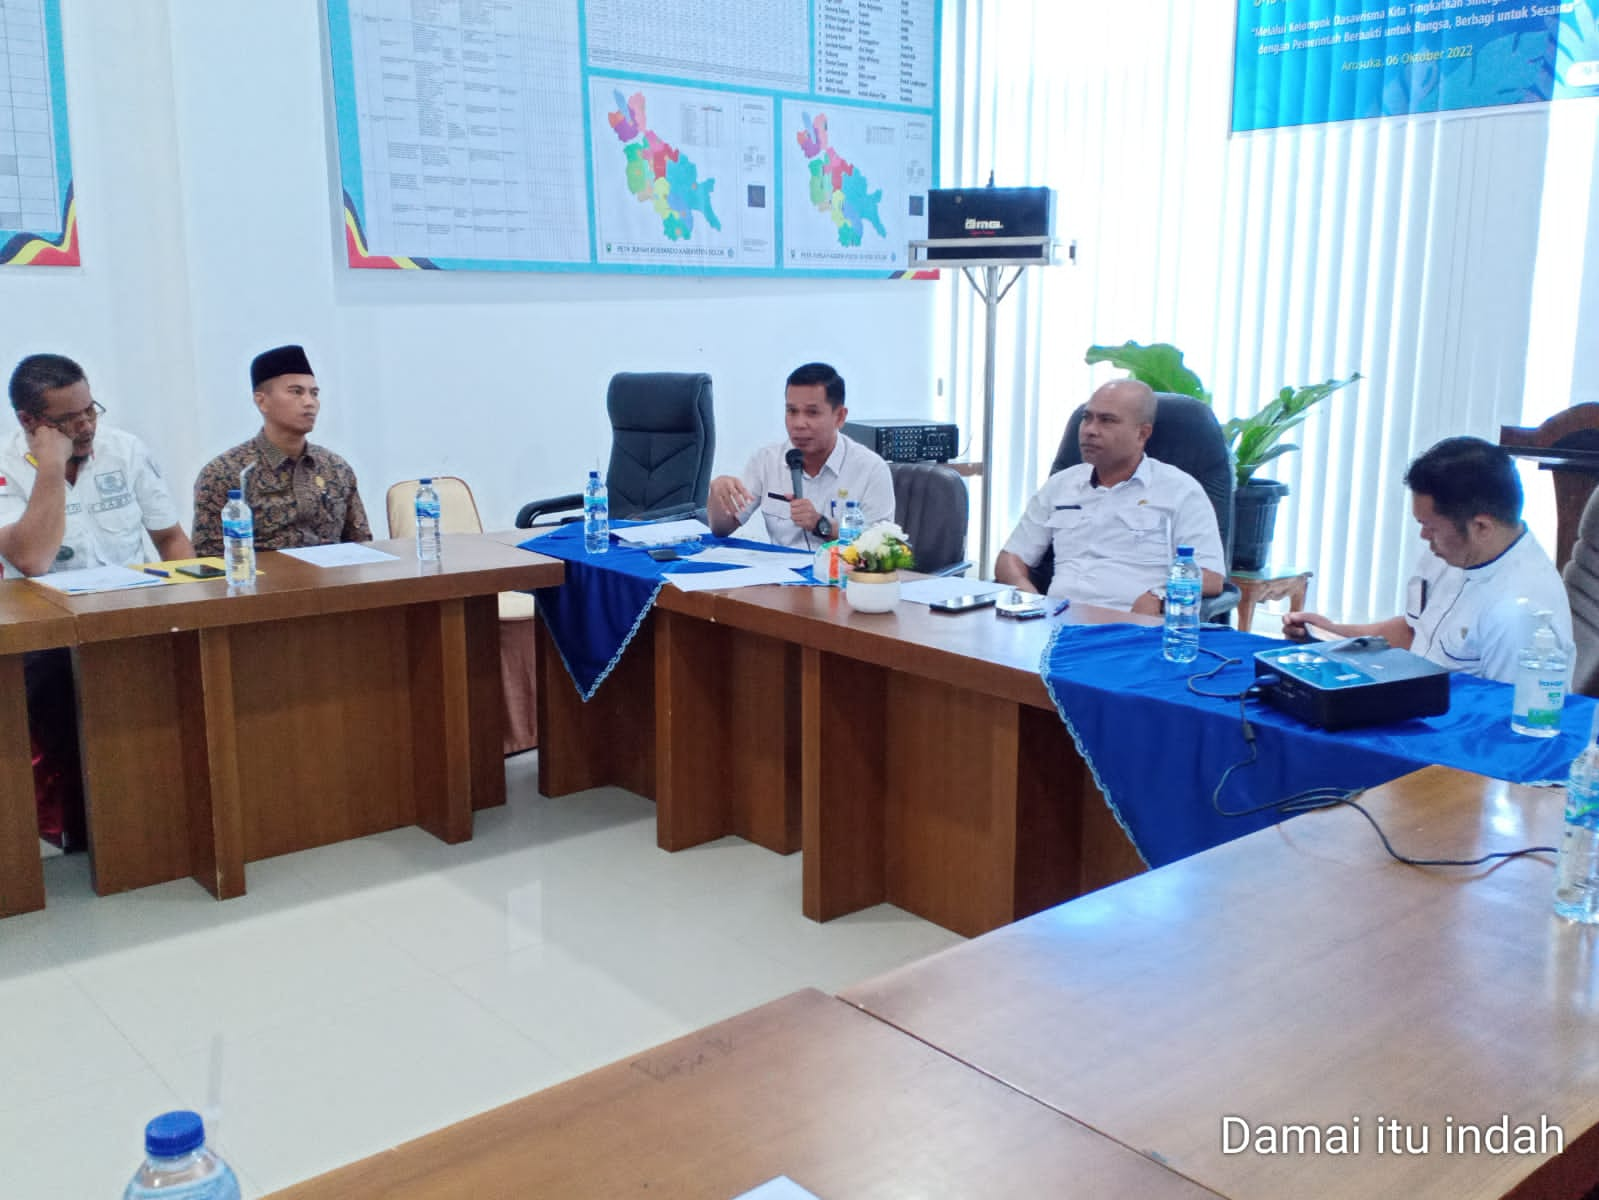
<point x="284" y="360"/>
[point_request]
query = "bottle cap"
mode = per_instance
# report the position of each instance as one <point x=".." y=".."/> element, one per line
<point x="425" y="481"/>
<point x="174" y="1133"/>
<point x="1185" y="552"/>
<point x="594" y="474"/>
<point x="235" y="494"/>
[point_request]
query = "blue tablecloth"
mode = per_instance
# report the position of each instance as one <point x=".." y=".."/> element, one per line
<point x="1157" y="750"/>
<point x="594" y="614"/>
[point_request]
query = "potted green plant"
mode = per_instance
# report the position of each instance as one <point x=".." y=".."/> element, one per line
<point x="1252" y="441"/>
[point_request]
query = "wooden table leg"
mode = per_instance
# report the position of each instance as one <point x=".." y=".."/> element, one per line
<point x="1246" y="608"/>
<point x="21" y="874"/>
<point x="211" y="743"/>
<point x="726" y="735"/>
<point x="141" y="723"/>
<point x="844" y="760"/>
<point x="441" y="719"/>
<point x="610" y="740"/>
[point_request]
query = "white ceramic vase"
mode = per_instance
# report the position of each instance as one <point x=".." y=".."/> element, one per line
<point x="872" y="591"/>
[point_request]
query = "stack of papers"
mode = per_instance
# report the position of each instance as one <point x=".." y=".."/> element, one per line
<point x="97" y="579"/>
<point x="735" y="577"/>
<point x="663" y="533"/>
<point x="749" y="556"/>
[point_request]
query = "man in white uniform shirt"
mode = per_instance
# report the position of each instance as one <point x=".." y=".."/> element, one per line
<point x="72" y="495"/>
<point x="835" y="469"/>
<point x="1115" y="519"/>
<point x="1470" y="605"/>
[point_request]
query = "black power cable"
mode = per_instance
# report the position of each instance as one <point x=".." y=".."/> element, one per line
<point x="1316" y="798"/>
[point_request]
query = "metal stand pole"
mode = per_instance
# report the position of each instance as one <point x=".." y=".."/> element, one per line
<point x="992" y="293"/>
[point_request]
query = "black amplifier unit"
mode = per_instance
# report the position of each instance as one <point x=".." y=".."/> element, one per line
<point x="1358" y="681"/>
<point x="977" y="216"/>
<point x="906" y="440"/>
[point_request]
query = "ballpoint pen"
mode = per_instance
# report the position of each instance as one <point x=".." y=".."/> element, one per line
<point x="1061" y="607"/>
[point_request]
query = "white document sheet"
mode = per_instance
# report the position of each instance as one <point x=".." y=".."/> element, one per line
<point x="925" y="591"/>
<point x="341" y="554"/>
<point x="97" y="579"/>
<point x="781" y="1188"/>
<point x="737" y="577"/>
<point x="663" y="534"/>
<point x="745" y="556"/>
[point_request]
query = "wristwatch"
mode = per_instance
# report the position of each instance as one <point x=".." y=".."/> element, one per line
<point x="1159" y="592"/>
<point x="824" y="528"/>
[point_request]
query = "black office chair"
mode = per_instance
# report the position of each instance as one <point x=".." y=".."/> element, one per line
<point x="1186" y="436"/>
<point x="931" y="505"/>
<point x="1582" y="589"/>
<point x="663" y="438"/>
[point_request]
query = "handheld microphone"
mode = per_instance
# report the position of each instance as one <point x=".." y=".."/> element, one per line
<point x="795" y="459"/>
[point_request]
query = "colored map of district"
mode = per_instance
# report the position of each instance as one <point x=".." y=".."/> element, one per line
<point x="837" y="188"/>
<point x="658" y="173"/>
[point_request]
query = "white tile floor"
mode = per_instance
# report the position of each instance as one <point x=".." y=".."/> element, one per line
<point x="365" y="993"/>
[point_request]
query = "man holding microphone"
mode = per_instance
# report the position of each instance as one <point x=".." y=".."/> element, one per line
<point x="798" y="483"/>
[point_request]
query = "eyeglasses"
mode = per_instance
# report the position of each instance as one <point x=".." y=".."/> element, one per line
<point x="91" y="414"/>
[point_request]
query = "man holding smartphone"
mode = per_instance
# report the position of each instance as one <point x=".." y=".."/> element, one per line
<point x="73" y="495"/>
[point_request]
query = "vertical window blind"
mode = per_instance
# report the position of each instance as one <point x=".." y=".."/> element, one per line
<point x="1405" y="249"/>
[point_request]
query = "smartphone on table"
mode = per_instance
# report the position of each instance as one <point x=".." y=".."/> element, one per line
<point x="201" y="571"/>
<point x="960" y="604"/>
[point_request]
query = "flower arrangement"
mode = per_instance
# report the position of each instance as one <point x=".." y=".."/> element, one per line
<point x="879" y="549"/>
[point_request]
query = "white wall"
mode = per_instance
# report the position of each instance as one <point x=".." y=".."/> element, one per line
<point x="208" y="192"/>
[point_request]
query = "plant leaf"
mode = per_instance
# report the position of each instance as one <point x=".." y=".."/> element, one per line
<point x="1160" y="365"/>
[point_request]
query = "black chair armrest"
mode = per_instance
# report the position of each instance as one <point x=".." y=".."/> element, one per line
<point x="534" y="509"/>
<point x="672" y="512"/>
<point x="1213" y="610"/>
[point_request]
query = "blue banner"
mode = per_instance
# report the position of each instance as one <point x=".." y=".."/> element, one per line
<point x="1306" y="62"/>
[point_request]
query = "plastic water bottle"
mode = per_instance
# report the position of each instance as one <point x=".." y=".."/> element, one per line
<point x="596" y="515"/>
<point x="177" y="1165"/>
<point x="427" y="522"/>
<point x="238" y="542"/>
<point x="1180" y="641"/>
<point x="854" y="522"/>
<point x="1577" y="871"/>
<point x="1540" y="683"/>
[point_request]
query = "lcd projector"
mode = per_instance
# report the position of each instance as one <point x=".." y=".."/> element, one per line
<point x="1358" y="681"/>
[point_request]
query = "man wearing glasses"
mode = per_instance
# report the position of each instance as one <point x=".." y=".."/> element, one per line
<point x="72" y="496"/>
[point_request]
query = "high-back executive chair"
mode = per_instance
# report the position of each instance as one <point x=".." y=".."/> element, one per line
<point x="458" y="513"/>
<point x="931" y="506"/>
<point x="1582" y="590"/>
<point x="663" y="438"/>
<point x="1186" y="436"/>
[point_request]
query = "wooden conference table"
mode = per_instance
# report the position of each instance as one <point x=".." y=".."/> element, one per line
<point x="916" y="757"/>
<point x="806" y="1087"/>
<point x="329" y="703"/>
<point x="28" y="622"/>
<point x="1299" y="975"/>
